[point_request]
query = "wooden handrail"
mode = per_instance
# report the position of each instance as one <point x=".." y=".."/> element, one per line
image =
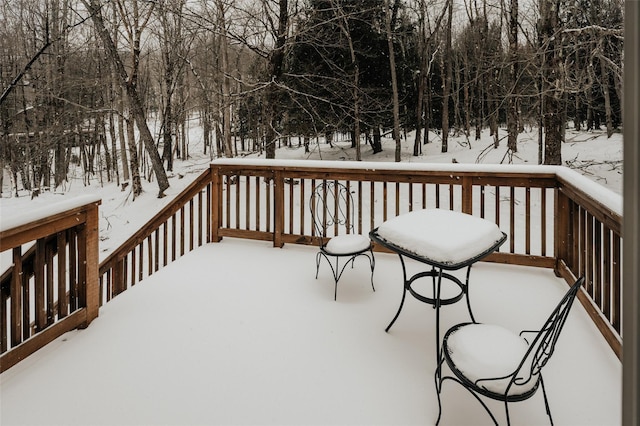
<point x="176" y="229"/>
<point x="550" y="221"/>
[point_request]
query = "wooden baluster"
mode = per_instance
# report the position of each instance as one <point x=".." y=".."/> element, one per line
<point x="182" y="231"/>
<point x="410" y="197"/>
<point x="527" y="228"/>
<point x="349" y="225"/>
<point x="302" y="206"/>
<point x="291" y="203"/>
<point x="258" y="207"/>
<point x="50" y="249"/>
<point x="616" y="315"/>
<point x="216" y="202"/>
<point x="165" y="243"/>
<point x="63" y="304"/>
<point x="191" y="226"/>
<point x="209" y="219"/>
<point x="606" y="273"/>
<point x="149" y="256"/>
<point x="360" y="207"/>
<point x="589" y="270"/>
<point x="372" y="206"/>
<point x="173" y="237"/>
<point x="156" y="254"/>
<point x="16" y="297"/>
<point x="512" y="220"/>
<point x="451" y="197"/>
<point x="73" y="270"/>
<point x="384" y="201"/>
<point x="39" y="286"/>
<point x="247" y="202"/>
<point x="543" y="221"/>
<point x="134" y="270"/>
<point x="278" y="208"/>
<point x="268" y="204"/>
<point x="597" y="262"/>
<point x="397" y="200"/>
<point x="201" y="213"/>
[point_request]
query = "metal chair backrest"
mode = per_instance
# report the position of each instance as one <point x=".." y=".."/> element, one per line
<point x="331" y="206"/>
<point x="543" y="345"/>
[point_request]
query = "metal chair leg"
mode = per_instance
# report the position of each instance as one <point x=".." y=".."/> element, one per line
<point x="546" y="401"/>
<point x="466" y="290"/>
<point x="318" y="264"/>
<point x="372" y="262"/>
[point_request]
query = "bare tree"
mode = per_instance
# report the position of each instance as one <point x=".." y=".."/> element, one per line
<point x="225" y="73"/>
<point x="447" y="71"/>
<point x="552" y="80"/>
<point x="135" y="102"/>
<point x="394" y="78"/>
<point x="343" y="23"/>
<point x="279" y="26"/>
<point x="174" y="45"/>
<point x="513" y="95"/>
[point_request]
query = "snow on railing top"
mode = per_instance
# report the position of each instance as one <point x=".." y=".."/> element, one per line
<point x="14" y="219"/>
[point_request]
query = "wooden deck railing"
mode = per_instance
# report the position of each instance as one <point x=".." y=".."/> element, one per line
<point x="51" y="287"/>
<point x="174" y="231"/>
<point x="590" y="245"/>
<point x="550" y="221"/>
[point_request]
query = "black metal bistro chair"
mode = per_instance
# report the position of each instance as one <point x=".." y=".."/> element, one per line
<point x="491" y="361"/>
<point x="332" y="209"/>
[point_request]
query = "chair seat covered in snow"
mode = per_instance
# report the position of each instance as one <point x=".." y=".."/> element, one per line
<point x="332" y="209"/>
<point x="494" y="362"/>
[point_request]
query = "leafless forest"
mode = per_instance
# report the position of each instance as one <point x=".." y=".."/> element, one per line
<point x="82" y="80"/>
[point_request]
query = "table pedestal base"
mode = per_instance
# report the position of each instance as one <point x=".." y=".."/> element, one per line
<point x="437" y="275"/>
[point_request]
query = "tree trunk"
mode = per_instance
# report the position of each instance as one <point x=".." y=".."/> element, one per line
<point x="604" y="75"/>
<point x="394" y="80"/>
<point x="226" y="84"/>
<point x="466" y="98"/>
<point x="276" y="62"/>
<point x="103" y="139"/>
<point x="447" y="80"/>
<point x="134" y="99"/>
<point x="168" y="121"/>
<point x="427" y="111"/>
<point x="552" y="79"/>
<point x="377" y="140"/>
<point x="512" y="99"/>
<point x="122" y="136"/>
<point x="114" y="148"/>
<point x="344" y="27"/>
<point x="134" y="161"/>
<point x="417" y="147"/>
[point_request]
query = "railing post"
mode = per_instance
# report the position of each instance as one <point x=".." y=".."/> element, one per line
<point x="91" y="258"/>
<point x="467" y="194"/>
<point x="278" y="213"/>
<point x="216" y="204"/>
<point x="561" y="232"/>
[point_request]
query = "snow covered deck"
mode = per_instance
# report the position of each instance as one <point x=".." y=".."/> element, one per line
<point x="239" y="332"/>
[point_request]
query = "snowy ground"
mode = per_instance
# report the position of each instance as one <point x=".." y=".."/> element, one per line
<point x="224" y="336"/>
